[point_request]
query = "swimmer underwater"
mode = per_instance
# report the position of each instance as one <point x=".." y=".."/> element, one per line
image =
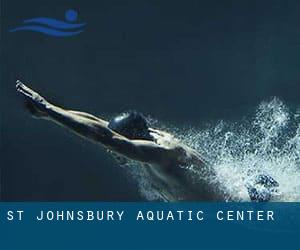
<point x="165" y="157"/>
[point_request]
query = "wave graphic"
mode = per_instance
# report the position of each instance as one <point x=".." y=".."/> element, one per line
<point x="53" y="23"/>
<point x="48" y="31"/>
<point x="268" y="141"/>
<point x="53" y="27"/>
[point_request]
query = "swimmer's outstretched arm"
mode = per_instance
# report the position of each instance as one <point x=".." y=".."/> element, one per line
<point x="95" y="129"/>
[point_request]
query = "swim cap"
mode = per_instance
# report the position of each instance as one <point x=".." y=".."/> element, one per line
<point x="132" y="125"/>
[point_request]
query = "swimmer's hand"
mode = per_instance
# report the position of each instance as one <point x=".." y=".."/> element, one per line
<point x="35" y="103"/>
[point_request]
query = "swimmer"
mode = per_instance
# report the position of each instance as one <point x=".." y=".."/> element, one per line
<point x="129" y="136"/>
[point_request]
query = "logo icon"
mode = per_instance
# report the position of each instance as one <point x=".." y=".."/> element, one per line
<point x="53" y="27"/>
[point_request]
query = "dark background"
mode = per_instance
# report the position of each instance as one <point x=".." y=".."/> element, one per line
<point x="182" y="62"/>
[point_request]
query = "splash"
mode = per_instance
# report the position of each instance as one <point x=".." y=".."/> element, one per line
<point x="268" y="142"/>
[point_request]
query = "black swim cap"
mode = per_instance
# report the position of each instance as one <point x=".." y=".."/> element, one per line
<point x="132" y="125"/>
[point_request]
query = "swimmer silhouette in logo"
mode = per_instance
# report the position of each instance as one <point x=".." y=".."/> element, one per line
<point x="165" y="157"/>
<point x="53" y="27"/>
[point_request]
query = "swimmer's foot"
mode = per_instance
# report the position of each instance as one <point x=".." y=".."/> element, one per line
<point x="34" y="103"/>
<point x="263" y="188"/>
